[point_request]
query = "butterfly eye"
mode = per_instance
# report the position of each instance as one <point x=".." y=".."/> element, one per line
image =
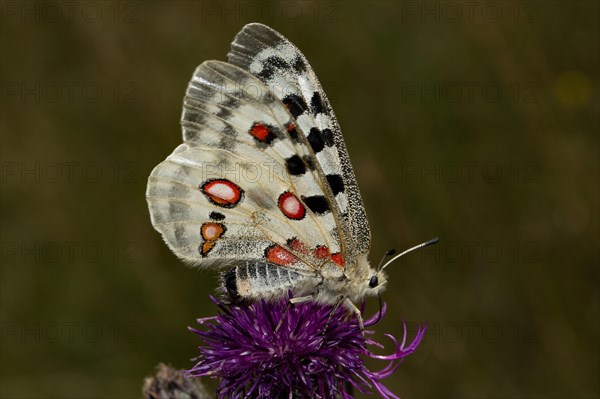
<point x="373" y="282"/>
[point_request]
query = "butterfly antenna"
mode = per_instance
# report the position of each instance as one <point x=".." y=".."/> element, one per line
<point x="387" y="253"/>
<point x="424" y="244"/>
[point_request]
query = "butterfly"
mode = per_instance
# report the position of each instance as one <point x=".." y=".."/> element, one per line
<point x="262" y="186"/>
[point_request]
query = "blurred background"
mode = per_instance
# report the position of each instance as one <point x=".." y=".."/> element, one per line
<point x="473" y="121"/>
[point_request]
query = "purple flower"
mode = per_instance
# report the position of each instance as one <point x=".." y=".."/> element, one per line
<point x="300" y="360"/>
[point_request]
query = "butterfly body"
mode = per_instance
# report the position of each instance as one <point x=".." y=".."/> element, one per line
<point x="257" y="280"/>
<point x="262" y="186"/>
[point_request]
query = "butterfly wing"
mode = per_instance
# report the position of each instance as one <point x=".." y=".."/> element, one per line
<point x="242" y="186"/>
<point x="283" y="68"/>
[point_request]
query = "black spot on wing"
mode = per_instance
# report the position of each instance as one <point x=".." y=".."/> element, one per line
<point x="299" y="65"/>
<point x="316" y="104"/>
<point x="226" y="106"/>
<point x="295" y="166"/>
<point x="193" y="116"/>
<point x="266" y="73"/>
<point x="315" y="140"/>
<point x="317" y="203"/>
<point x="227" y="142"/>
<point x="231" y="102"/>
<point x="269" y="66"/>
<point x="293" y="132"/>
<point x="336" y="183"/>
<point x="216" y="216"/>
<point x="319" y="139"/>
<point x="229" y="130"/>
<point x="327" y="137"/>
<point x="223" y="113"/>
<point x="295" y="104"/>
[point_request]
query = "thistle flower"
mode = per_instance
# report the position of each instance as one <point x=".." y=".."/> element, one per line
<point x="311" y="355"/>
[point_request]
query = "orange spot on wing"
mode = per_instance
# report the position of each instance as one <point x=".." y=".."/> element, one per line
<point x="211" y="231"/>
<point x="206" y="247"/>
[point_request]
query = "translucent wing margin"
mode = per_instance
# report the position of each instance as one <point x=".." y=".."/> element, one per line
<point x="283" y="68"/>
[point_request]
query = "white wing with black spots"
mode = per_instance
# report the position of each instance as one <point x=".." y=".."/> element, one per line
<point x="284" y="69"/>
<point x="242" y="186"/>
<point x="262" y="184"/>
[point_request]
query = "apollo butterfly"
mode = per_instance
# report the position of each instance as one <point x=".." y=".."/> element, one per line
<point x="262" y="185"/>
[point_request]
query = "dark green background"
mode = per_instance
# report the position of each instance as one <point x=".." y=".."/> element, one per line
<point x="477" y="122"/>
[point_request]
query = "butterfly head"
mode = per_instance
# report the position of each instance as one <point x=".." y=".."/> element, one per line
<point x="376" y="283"/>
<point x="362" y="280"/>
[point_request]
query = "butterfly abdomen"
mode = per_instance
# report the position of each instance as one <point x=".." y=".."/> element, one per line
<point x="253" y="280"/>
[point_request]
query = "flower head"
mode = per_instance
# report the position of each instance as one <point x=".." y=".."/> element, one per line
<point x="314" y="354"/>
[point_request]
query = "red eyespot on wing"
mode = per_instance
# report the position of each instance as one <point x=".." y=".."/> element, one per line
<point x="322" y="252"/>
<point x="291" y="206"/>
<point x="279" y="256"/>
<point x="222" y="192"/>
<point x="337" y="258"/>
<point x="261" y="132"/>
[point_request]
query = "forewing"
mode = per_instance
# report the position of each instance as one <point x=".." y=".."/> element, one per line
<point x="284" y="69"/>
<point x="233" y="190"/>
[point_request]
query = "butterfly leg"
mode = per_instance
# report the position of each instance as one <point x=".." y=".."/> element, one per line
<point x="291" y="302"/>
<point x="356" y="311"/>
<point x="301" y="299"/>
<point x="335" y="307"/>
